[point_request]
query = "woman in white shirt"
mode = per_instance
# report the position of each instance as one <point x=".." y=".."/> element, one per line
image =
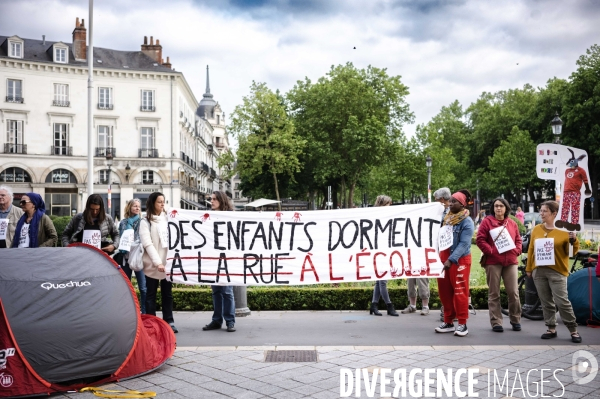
<point x="155" y="239"/>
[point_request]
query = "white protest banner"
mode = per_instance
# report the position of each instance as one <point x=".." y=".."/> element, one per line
<point x="544" y="252"/>
<point x="312" y="247"/>
<point x="3" y="228"/>
<point x="504" y="242"/>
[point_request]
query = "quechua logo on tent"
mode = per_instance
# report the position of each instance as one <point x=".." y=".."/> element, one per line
<point x="4" y="354"/>
<point x="70" y="284"/>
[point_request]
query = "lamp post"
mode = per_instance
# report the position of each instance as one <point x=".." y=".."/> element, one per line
<point x="556" y="125"/>
<point x="109" y="162"/>
<point x="428" y="163"/>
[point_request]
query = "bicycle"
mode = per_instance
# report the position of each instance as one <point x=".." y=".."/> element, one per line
<point x="585" y="258"/>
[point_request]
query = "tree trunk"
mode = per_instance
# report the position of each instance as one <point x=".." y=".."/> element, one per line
<point x="277" y="191"/>
<point x="343" y="188"/>
<point x="351" y="195"/>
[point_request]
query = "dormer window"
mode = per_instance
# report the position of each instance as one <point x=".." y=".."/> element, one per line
<point x="15" y="49"/>
<point x="61" y="54"/>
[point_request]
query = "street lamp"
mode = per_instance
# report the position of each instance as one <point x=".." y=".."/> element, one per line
<point x="556" y="124"/>
<point x="109" y="162"/>
<point x="428" y="163"/>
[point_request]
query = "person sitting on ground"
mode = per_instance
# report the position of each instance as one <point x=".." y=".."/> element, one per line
<point x="381" y="290"/>
<point x="454" y="286"/>
<point x="548" y="263"/>
<point x="93" y="227"/>
<point x="9" y="216"/>
<point x="222" y="295"/>
<point x="34" y="229"/>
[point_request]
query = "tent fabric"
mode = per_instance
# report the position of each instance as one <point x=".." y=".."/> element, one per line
<point x="578" y="287"/>
<point x="73" y="320"/>
<point x="262" y="202"/>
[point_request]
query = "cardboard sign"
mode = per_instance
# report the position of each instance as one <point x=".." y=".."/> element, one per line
<point x="92" y="237"/>
<point x="312" y="247"/>
<point x="126" y="240"/>
<point x="163" y="232"/>
<point x="3" y="228"/>
<point x="503" y="243"/>
<point x="446" y="237"/>
<point x="544" y="252"/>
<point x="24" y="238"/>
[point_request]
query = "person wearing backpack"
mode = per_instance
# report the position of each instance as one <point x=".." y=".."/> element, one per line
<point x="131" y="221"/>
<point x="154" y="237"/>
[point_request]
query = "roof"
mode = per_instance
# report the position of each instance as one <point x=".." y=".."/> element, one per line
<point x="37" y="50"/>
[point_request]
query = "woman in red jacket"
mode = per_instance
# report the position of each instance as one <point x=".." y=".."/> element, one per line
<point x="499" y="240"/>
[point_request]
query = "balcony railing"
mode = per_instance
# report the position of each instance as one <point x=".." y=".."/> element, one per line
<point x="213" y="174"/>
<point x="105" y="106"/>
<point x="205" y="168"/>
<point x="55" y="150"/>
<point x="148" y="108"/>
<point x="220" y="145"/>
<point x="15" y="148"/>
<point x="148" y="152"/>
<point x="15" y="99"/>
<point x="102" y="151"/>
<point x="58" y="103"/>
<point x="147" y="181"/>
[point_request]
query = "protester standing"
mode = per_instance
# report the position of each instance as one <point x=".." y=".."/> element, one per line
<point x="34" y="229"/>
<point x="548" y="263"/>
<point x="499" y="240"/>
<point x="9" y="216"/>
<point x="222" y="295"/>
<point x="454" y="286"/>
<point x="129" y="231"/>
<point x="93" y="227"/>
<point x="381" y="290"/>
<point x="154" y="237"/>
<point x="520" y="215"/>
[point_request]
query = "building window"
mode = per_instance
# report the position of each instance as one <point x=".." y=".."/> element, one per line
<point x="105" y="100"/>
<point x="61" y="176"/>
<point x="60" y="204"/>
<point x="147" y="177"/>
<point x="14" y="92"/>
<point x="61" y="95"/>
<point x="103" y="174"/>
<point x="60" y="55"/>
<point x="14" y="138"/>
<point x="147" y="149"/>
<point x="14" y="175"/>
<point x="237" y="195"/>
<point x="16" y="49"/>
<point x="148" y="101"/>
<point x="105" y="137"/>
<point x="61" y="139"/>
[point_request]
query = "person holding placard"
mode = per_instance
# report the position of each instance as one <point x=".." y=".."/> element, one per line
<point x="93" y="227"/>
<point x="500" y="243"/>
<point x="129" y="231"/>
<point x="154" y="236"/>
<point x="9" y="216"/>
<point x="454" y="286"/>
<point x="34" y="229"/>
<point x="380" y="290"/>
<point x="548" y="263"/>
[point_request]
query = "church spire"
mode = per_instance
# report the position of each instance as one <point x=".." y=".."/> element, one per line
<point x="207" y="94"/>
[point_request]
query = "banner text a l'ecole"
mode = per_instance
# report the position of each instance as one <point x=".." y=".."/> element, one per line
<point x="307" y="247"/>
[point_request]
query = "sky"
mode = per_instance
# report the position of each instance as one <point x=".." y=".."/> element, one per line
<point x="443" y="50"/>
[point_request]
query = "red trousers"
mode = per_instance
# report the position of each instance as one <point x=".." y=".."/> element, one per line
<point x="454" y="289"/>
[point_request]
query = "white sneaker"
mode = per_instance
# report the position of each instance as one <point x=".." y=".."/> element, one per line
<point x="445" y="328"/>
<point x="409" y="309"/>
<point x="424" y="311"/>
<point x="461" y="330"/>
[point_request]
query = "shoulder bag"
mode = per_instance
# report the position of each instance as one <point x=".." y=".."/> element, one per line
<point x="136" y="254"/>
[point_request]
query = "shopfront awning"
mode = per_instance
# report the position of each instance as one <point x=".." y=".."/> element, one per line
<point x="194" y="204"/>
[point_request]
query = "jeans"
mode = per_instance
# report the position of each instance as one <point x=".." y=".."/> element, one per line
<point x="223" y="304"/>
<point x="141" y="280"/>
<point x="166" y="298"/>
<point x="552" y="289"/>
<point x="381" y="291"/>
<point x="510" y="276"/>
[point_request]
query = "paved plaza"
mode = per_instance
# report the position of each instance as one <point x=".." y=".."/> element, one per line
<point x="205" y="366"/>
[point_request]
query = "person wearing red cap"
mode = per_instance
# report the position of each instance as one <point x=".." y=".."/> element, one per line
<point x="454" y="286"/>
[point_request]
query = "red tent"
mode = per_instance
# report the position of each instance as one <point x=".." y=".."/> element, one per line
<point x="69" y="318"/>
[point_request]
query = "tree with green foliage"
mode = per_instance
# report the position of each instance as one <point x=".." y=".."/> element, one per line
<point x="266" y="140"/>
<point x="349" y="118"/>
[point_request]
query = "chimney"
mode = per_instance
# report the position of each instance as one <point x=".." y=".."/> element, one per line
<point x="167" y="64"/>
<point x="44" y="39"/>
<point x="152" y="50"/>
<point x="80" y="41"/>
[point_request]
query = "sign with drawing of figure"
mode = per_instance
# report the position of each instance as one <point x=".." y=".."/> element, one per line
<point x="569" y="167"/>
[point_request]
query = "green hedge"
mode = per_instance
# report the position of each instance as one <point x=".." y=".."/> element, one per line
<point x="60" y="222"/>
<point x="306" y="298"/>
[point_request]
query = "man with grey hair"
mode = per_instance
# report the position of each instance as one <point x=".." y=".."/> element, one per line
<point x="9" y="216"/>
<point x="442" y="195"/>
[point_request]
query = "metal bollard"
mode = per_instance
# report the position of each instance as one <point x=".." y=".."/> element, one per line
<point x="241" y="301"/>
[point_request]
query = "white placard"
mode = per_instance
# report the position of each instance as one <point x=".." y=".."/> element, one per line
<point x="24" y="238"/>
<point x="92" y="237"/>
<point x="503" y="243"/>
<point x="446" y="237"/>
<point x="317" y="247"/>
<point x="163" y="232"/>
<point x="126" y="240"/>
<point x="3" y="228"/>
<point x="544" y="252"/>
